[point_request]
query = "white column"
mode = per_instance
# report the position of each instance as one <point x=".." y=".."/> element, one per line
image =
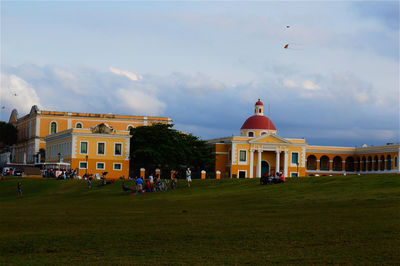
<point x="24" y="158"/>
<point x="285" y="167"/>
<point x="277" y="160"/>
<point x="259" y="163"/>
<point x="251" y="163"/>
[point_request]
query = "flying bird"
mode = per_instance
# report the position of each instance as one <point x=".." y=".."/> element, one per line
<point x="286" y="46"/>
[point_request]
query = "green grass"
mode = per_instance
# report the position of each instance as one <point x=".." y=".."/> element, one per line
<point x="316" y="220"/>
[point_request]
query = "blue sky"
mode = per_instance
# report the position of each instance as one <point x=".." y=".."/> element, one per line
<point x="205" y="64"/>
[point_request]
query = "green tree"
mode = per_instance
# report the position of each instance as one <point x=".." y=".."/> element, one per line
<point x="8" y="133"/>
<point x="160" y="146"/>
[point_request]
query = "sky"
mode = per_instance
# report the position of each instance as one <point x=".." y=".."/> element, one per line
<point x="205" y="64"/>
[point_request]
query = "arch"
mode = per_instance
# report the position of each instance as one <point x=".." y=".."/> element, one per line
<point x="53" y="127"/>
<point x="78" y="125"/>
<point x="376" y="163"/>
<point x="349" y="165"/>
<point x="263" y="133"/>
<point x="382" y="163"/>
<point x="364" y="164"/>
<point x="311" y="162"/>
<point x="337" y="163"/>
<point x="250" y="134"/>
<point x="264" y="167"/>
<point x="388" y="163"/>
<point x="129" y="128"/>
<point x="324" y="163"/>
<point x="358" y="164"/>
<point x="369" y="163"/>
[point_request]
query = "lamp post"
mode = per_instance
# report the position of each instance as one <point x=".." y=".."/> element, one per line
<point x="86" y="163"/>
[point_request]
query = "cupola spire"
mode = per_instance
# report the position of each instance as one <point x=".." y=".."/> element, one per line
<point x="259" y="108"/>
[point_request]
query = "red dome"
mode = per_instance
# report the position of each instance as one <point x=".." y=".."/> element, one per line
<point x="259" y="102"/>
<point x="258" y="122"/>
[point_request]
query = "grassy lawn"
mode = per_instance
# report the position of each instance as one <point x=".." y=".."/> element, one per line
<point x="316" y="220"/>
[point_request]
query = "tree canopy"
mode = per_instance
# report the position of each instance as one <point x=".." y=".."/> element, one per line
<point x="160" y="146"/>
<point x="8" y="133"/>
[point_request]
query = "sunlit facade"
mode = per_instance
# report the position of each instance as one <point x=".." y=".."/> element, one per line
<point x="34" y="127"/>
<point x="259" y="150"/>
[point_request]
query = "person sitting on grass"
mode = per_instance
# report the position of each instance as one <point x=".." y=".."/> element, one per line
<point x="282" y="178"/>
<point x="127" y="189"/>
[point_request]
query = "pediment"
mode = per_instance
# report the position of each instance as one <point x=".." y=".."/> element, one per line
<point x="102" y="129"/>
<point x="269" y="138"/>
<point x="13" y="116"/>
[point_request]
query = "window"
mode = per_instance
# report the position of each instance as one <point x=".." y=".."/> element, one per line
<point x="242" y="174"/>
<point x="100" y="166"/>
<point x="117" y="149"/>
<point x="295" y="157"/>
<point x="242" y="156"/>
<point x="53" y="127"/>
<point x="82" y="165"/>
<point x="117" y="166"/>
<point x="78" y="125"/>
<point x="101" y="148"/>
<point x="263" y="133"/>
<point x="395" y="162"/>
<point x="251" y="134"/>
<point x="84" y="147"/>
<point x="294" y="174"/>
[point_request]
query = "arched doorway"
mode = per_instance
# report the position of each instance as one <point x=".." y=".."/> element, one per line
<point x="264" y="167"/>
<point x="311" y="162"/>
<point x="349" y="166"/>
<point x="337" y="164"/>
<point x="324" y="163"/>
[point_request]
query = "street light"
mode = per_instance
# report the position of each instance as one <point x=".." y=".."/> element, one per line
<point x="86" y="163"/>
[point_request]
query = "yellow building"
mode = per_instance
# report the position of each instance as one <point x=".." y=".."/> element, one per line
<point x="95" y="150"/>
<point x="34" y="127"/>
<point x="259" y="150"/>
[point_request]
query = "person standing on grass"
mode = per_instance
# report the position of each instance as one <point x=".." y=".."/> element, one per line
<point x="90" y="182"/>
<point x="19" y="188"/>
<point x="189" y="177"/>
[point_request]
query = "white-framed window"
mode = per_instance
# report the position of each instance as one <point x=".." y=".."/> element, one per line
<point x="100" y="166"/>
<point x="242" y="174"/>
<point x="242" y="156"/>
<point x="264" y="133"/>
<point x="117" y="149"/>
<point x="250" y="134"/>
<point x="84" y="147"/>
<point x="83" y="165"/>
<point x="294" y="174"/>
<point x="53" y="127"/>
<point x="295" y="158"/>
<point x="78" y="125"/>
<point x="117" y="166"/>
<point x="101" y="148"/>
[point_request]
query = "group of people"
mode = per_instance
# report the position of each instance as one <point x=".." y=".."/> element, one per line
<point x="268" y="179"/>
<point x="59" y="174"/>
<point x="154" y="183"/>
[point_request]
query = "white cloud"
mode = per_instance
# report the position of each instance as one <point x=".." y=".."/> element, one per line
<point x="125" y="73"/>
<point x="289" y="83"/>
<point x="139" y="102"/>
<point x="17" y="93"/>
<point x="309" y="85"/>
